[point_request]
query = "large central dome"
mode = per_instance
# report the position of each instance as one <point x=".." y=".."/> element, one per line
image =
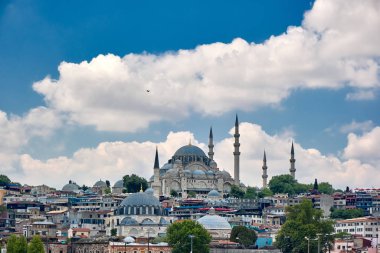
<point x="189" y="150"/>
<point x="188" y="154"/>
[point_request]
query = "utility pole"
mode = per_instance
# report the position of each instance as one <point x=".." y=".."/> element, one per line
<point x="191" y="243"/>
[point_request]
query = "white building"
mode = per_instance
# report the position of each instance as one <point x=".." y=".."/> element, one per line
<point x="368" y="227"/>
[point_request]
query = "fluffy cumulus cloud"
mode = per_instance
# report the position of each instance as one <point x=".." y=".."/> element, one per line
<point x="336" y="46"/>
<point x="364" y="147"/>
<point x="108" y="161"/>
<point x="112" y="160"/>
<point x="16" y="132"/>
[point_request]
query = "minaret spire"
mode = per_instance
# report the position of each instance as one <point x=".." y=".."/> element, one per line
<point x="211" y="145"/>
<point x="155" y="184"/>
<point x="265" y="168"/>
<point x="156" y="161"/>
<point x="292" y="163"/>
<point x="236" y="153"/>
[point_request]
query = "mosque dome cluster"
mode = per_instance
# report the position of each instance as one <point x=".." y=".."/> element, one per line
<point x="71" y="186"/>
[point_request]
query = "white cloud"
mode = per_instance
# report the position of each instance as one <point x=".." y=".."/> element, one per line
<point x="108" y="161"/>
<point x="354" y="126"/>
<point x="112" y="160"/>
<point x="361" y="95"/>
<point x="364" y="147"/>
<point x="16" y="131"/>
<point x="336" y="46"/>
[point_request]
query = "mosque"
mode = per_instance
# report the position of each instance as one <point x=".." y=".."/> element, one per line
<point x="191" y="170"/>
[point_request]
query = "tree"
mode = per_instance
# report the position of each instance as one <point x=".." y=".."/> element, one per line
<point x="237" y="192"/>
<point x="108" y="183"/>
<point x="16" y="244"/>
<point x="114" y="232"/>
<point x="243" y="235"/>
<point x="282" y="184"/>
<point x="84" y="188"/>
<point x="191" y="194"/>
<point x="36" y="245"/>
<point x="4" y="180"/>
<point x="303" y="221"/>
<point x="178" y="233"/>
<point x="173" y="193"/>
<point x="266" y="192"/>
<point x="11" y="244"/>
<point x="251" y="193"/>
<point x="287" y="184"/>
<point x="134" y="183"/>
<point x="325" y="188"/>
<point x="346" y="213"/>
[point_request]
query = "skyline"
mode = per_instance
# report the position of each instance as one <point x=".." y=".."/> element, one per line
<point x="74" y="103"/>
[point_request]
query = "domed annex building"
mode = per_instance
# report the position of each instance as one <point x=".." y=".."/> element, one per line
<point x="191" y="170"/>
<point x="100" y="187"/>
<point x="118" y="187"/>
<point x="216" y="225"/>
<point x="71" y="187"/>
<point x="140" y="215"/>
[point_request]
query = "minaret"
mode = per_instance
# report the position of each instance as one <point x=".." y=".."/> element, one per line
<point x="156" y="185"/>
<point x="292" y="163"/>
<point x="156" y="161"/>
<point x="236" y="152"/>
<point x="265" y="175"/>
<point x="211" y="145"/>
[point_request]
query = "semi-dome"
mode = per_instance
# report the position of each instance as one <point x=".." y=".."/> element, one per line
<point x="128" y="221"/>
<point x="214" y="222"/>
<point x="149" y="191"/>
<point x="129" y="239"/>
<point x="213" y="193"/>
<point x="189" y="150"/>
<point x="213" y="164"/>
<point x="100" y="183"/>
<point x="140" y="199"/>
<point x="119" y="184"/>
<point x="198" y="172"/>
<point x="172" y="172"/>
<point x="70" y="187"/>
<point x="167" y="166"/>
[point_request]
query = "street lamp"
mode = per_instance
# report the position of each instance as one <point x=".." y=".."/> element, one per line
<point x="286" y="243"/>
<point x="191" y="243"/>
<point x="148" y="241"/>
<point x="319" y="243"/>
<point x="308" y="243"/>
<point x="346" y="239"/>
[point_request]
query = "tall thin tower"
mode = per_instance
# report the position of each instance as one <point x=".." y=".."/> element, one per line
<point x="292" y="163"/>
<point x="156" y="185"/>
<point x="265" y="168"/>
<point x="211" y="145"/>
<point x="236" y="152"/>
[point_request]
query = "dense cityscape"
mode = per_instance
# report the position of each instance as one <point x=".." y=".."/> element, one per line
<point x="189" y="126"/>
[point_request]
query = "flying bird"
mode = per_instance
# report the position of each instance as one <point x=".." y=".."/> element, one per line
<point x="148" y="91"/>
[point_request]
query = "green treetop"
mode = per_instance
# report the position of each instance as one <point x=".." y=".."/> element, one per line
<point x="36" y="245"/>
<point x="134" y="183"/>
<point x="243" y="235"/>
<point x="178" y="236"/>
<point x="302" y="221"/>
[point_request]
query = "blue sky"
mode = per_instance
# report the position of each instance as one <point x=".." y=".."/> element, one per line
<point x="73" y="77"/>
